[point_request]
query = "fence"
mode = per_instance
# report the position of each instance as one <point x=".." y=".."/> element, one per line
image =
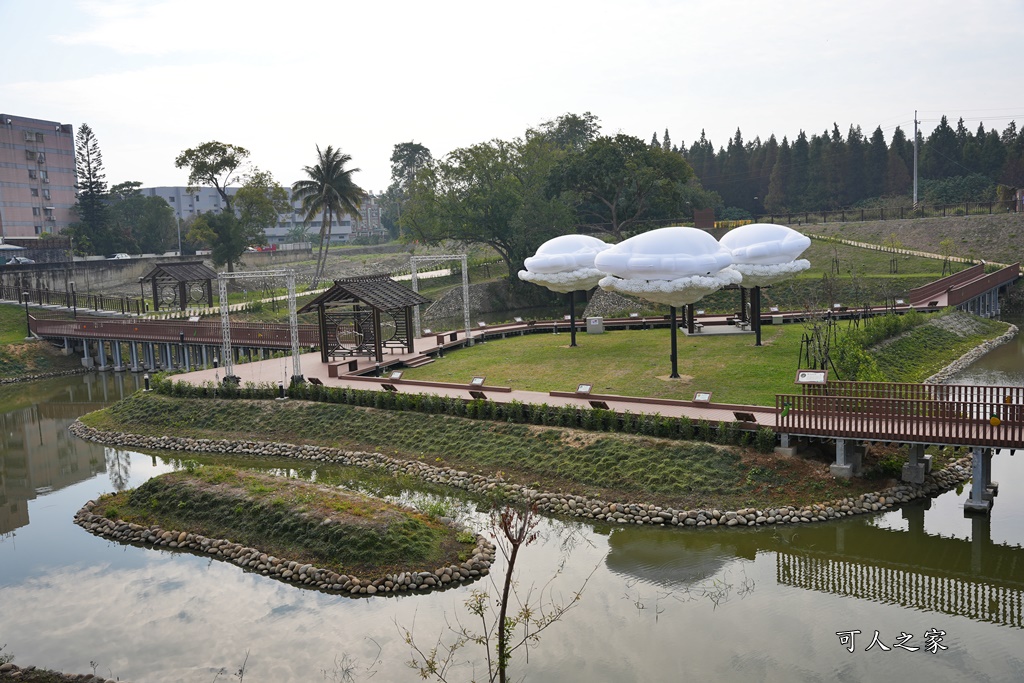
<point x="891" y="213"/>
<point x="85" y="302"/>
<point x="957" y="421"/>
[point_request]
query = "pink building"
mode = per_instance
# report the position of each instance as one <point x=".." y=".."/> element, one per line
<point x="37" y="176"/>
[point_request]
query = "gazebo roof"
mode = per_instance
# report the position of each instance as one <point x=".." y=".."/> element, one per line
<point x="376" y="291"/>
<point x="185" y="271"/>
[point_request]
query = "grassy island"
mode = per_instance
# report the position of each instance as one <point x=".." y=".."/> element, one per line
<point x="330" y="528"/>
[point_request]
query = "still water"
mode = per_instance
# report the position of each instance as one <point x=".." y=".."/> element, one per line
<point x="661" y="604"/>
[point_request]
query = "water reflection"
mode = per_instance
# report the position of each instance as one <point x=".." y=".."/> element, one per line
<point x="664" y="604"/>
<point x="37" y="454"/>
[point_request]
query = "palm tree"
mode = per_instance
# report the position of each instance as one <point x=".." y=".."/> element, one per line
<point x="328" y="190"/>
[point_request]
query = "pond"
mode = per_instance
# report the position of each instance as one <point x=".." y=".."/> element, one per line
<point x="660" y="604"/>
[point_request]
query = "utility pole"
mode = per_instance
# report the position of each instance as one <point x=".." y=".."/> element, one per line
<point x="915" y="159"/>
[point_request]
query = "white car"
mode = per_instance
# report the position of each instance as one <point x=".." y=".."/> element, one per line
<point x="118" y="257"/>
<point x="20" y="261"/>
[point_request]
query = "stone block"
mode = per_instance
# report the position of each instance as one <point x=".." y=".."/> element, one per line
<point x="841" y="471"/>
<point x="914" y="474"/>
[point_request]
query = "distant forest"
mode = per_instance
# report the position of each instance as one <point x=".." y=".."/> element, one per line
<point x="832" y="171"/>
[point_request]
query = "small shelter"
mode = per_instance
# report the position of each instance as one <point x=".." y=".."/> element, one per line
<point x="177" y="285"/>
<point x="362" y="316"/>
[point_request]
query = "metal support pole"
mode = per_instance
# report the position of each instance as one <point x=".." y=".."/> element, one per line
<point x="415" y="309"/>
<point x="465" y="298"/>
<point x="756" y="300"/>
<point x="28" y="323"/>
<point x="675" y="355"/>
<point x="572" y="318"/>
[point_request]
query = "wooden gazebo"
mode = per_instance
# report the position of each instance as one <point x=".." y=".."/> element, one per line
<point x="362" y="316"/>
<point x="177" y="285"/>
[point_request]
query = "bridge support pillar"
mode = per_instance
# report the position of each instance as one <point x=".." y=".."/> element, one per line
<point x="115" y="347"/>
<point x="69" y="348"/>
<point x="87" y="361"/>
<point x="849" y="456"/>
<point x="206" y="362"/>
<point x="168" y="358"/>
<point x="916" y="468"/>
<point x="133" y="353"/>
<point x="786" y="446"/>
<point x="102" y="346"/>
<point x="981" y="473"/>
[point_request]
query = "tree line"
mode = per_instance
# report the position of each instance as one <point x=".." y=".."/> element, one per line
<point x="831" y="171"/>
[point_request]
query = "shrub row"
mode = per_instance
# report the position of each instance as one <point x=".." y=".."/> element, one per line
<point x="593" y="419"/>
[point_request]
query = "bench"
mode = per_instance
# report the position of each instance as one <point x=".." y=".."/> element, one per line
<point x="333" y="369"/>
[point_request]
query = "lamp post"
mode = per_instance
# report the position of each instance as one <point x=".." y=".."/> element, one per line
<point x="74" y="301"/>
<point x="28" y="326"/>
<point x="176" y="215"/>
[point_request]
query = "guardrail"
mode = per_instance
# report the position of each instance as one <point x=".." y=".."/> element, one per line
<point x="952" y="422"/>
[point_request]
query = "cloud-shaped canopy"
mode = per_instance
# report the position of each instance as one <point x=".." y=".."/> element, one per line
<point x="565" y="263"/>
<point x="764" y="244"/>
<point x="765" y="253"/>
<point x="664" y="254"/>
<point x="565" y="253"/>
<point x="674" y="266"/>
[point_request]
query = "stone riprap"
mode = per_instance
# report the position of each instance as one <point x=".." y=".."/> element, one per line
<point x="301" y="574"/>
<point x="961" y="363"/>
<point x="44" y="375"/>
<point x="554" y="503"/>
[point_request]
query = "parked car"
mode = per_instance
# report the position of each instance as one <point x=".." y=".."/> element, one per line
<point x="118" y="257"/>
<point x="20" y="261"/>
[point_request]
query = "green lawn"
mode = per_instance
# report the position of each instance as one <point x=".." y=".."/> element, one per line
<point x="633" y="363"/>
<point x="12" y="323"/>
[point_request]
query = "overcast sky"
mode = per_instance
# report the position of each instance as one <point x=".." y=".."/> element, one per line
<point x="153" y="78"/>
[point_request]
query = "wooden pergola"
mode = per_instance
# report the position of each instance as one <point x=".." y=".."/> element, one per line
<point x="176" y="285"/>
<point x="362" y="316"/>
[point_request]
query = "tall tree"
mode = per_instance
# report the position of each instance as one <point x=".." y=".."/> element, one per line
<point x="776" y="199"/>
<point x="228" y="234"/>
<point x="572" y="132"/>
<point x="940" y="157"/>
<point x="328" y="190"/>
<point x="621" y="183"/>
<point x="213" y="163"/>
<point x="406" y="159"/>
<point x="140" y="224"/>
<point x="491" y="193"/>
<point x="91" y="229"/>
<point x="876" y="164"/>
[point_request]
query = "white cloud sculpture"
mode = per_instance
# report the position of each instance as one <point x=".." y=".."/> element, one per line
<point x="565" y="264"/>
<point x="766" y="253"/>
<point x="673" y="266"/>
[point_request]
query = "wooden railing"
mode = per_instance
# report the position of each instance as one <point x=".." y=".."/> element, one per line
<point x="921" y="392"/>
<point x="971" y="289"/>
<point x="265" y="335"/>
<point x="955" y="421"/>
<point x="931" y="290"/>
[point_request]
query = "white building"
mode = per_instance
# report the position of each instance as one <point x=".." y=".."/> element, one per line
<point x="206" y="199"/>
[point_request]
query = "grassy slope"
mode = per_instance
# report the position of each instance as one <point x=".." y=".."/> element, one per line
<point x="284" y="517"/>
<point x="18" y="357"/>
<point x="610" y="466"/>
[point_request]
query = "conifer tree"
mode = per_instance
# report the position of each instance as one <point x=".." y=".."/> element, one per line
<point x="90" y="231"/>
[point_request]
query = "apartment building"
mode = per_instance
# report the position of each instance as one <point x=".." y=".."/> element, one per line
<point x="37" y="176"/>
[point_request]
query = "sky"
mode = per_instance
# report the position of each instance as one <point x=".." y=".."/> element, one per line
<point x="153" y="77"/>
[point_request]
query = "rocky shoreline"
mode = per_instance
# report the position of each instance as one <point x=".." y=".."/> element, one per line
<point x="554" y="503"/>
<point x="944" y="375"/>
<point x="303" y="575"/>
<point x="44" y="375"/>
